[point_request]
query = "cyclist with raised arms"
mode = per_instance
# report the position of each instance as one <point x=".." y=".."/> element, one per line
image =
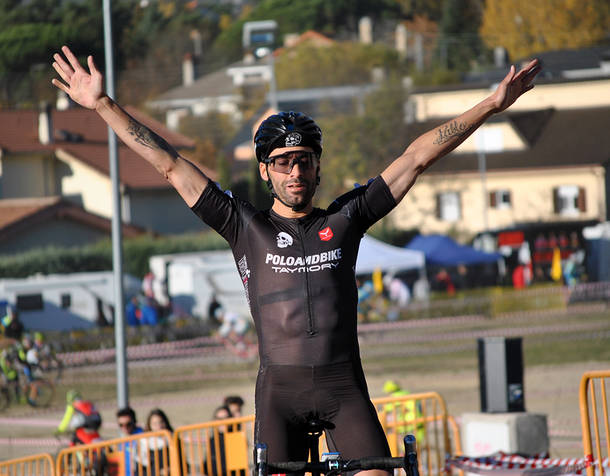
<point x="296" y="261"/>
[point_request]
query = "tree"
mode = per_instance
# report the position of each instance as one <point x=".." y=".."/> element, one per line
<point x="307" y="66"/>
<point x="336" y="18"/>
<point x="526" y="27"/>
<point x="459" y="42"/>
<point x="359" y="147"/>
<point x="30" y="32"/>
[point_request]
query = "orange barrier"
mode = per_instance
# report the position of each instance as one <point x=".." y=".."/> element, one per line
<point x="216" y="447"/>
<point x="431" y="426"/>
<point x="425" y="416"/>
<point x="225" y="446"/>
<point x="594" y="420"/>
<point x="36" y="465"/>
<point x="144" y="454"/>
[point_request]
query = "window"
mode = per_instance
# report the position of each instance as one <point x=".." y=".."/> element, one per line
<point x="500" y="199"/>
<point x="448" y="206"/>
<point x="569" y="200"/>
<point x="66" y="301"/>
<point x="29" y="302"/>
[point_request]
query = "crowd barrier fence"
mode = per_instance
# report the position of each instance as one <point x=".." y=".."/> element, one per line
<point x="225" y="447"/>
<point x="36" y="465"/>
<point x="594" y="420"/>
<point x="144" y="454"/>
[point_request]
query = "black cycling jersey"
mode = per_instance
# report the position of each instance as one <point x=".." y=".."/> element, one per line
<point x="299" y="277"/>
<point x="299" y="273"/>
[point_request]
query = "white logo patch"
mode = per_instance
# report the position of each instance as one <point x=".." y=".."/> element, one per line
<point x="293" y="139"/>
<point x="284" y="240"/>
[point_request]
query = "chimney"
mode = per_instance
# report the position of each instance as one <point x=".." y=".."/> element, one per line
<point x="63" y="101"/>
<point x="197" y="43"/>
<point x="188" y="70"/>
<point x="365" y="30"/>
<point x="400" y="40"/>
<point x="45" y="124"/>
<point x="500" y="57"/>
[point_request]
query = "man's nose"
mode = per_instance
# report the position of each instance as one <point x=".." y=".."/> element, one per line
<point x="297" y="169"/>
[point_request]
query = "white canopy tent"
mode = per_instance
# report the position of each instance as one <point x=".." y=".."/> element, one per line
<point x="375" y="254"/>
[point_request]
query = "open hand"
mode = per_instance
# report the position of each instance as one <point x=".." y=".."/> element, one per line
<point x="83" y="87"/>
<point x="514" y="85"/>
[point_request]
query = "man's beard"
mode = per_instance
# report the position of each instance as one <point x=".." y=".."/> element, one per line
<point x="300" y="199"/>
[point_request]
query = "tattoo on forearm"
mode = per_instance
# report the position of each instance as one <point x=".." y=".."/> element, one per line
<point x="451" y="130"/>
<point x="146" y="137"/>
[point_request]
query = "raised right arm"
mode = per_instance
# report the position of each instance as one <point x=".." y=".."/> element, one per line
<point x="85" y="88"/>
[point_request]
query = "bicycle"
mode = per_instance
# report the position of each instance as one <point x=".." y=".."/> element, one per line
<point x="38" y="392"/>
<point x="48" y="364"/>
<point x="335" y="465"/>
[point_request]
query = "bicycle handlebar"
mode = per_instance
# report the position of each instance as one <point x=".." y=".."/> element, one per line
<point x="408" y="462"/>
<point x="337" y="465"/>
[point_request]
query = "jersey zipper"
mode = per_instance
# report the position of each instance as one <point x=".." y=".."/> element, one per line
<point x="311" y="330"/>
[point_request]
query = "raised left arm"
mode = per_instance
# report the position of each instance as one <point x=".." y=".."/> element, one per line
<point x="401" y="174"/>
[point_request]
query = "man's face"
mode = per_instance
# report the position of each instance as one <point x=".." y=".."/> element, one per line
<point x="235" y="409"/>
<point x="126" y="424"/>
<point x="293" y="172"/>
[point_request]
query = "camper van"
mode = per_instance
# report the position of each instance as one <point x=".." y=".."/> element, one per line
<point x="190" y="280"/>
<point x="59" y="302"/>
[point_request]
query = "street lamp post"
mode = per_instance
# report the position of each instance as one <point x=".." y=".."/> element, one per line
<point x="117" y="247"/>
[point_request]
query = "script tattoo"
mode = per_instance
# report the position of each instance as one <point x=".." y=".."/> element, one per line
<point x="146" y="137"/>
<point x="450" y="130"/>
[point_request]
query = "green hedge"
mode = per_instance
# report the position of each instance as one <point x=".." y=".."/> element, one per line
<point x="489" y="302"/>
<point x="98" y="257"/>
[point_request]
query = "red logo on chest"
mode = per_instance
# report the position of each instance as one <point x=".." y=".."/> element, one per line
<point x="326" y="234"/>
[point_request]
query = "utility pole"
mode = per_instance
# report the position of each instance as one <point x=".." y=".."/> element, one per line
<point x="117" y="246"/>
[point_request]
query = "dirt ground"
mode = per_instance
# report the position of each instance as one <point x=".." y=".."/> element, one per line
<point x="551" y="390"/>
<point x="435" y="355"/>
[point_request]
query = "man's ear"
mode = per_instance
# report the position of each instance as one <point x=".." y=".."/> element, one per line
<point x="262" y="170"/>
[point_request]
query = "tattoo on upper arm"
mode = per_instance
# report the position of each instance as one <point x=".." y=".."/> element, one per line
<point x="450" y="130"/>
<point x="146" y="137"/>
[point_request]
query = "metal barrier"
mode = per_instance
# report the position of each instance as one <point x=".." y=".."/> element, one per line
<point x="216" y="448"/>
<point x="223" y="447"/>
<point x="425" y="416"/>
<point x="430" y="425"/>
<point x="145" y="454"/>
<point x="36" y="465"/>
<point x="594" y="420"/>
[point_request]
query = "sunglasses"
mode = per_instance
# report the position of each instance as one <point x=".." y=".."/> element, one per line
<point x="284" y="163"/>
<point x="125" y="424"/>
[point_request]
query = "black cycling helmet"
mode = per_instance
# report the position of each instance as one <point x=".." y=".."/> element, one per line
<point x="286" y="129"/>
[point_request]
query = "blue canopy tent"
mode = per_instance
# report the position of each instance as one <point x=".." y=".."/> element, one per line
<point x="443" y="251"/>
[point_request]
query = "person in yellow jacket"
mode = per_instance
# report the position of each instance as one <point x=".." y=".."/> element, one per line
<point x="406" y="411"/>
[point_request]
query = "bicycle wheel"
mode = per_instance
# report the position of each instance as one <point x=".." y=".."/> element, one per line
<point x="5" y="398"/>
<point x="52" y="368"/>
<point x="40" y="392"/>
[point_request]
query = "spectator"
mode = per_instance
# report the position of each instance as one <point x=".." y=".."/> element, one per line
<point x="213" y="312"/>
<point x="406" y="411"/>
<point x="444" y="282"/>
<point x="399" y="295"/>
<point x="133" y="312"/>
<point x="154" y="450"/>
<point x="234" y="403"/>
<point x="126" y="419"/>
<point x="11" y="325"/>
<point x="210" y="467"/>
